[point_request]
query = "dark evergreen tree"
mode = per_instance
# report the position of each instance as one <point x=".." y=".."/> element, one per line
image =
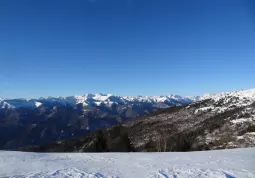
<point x="126" y="143"/>
<point x="101" y="142"/>
<point x="150" y="146"/>
<point x="183" y="142"/>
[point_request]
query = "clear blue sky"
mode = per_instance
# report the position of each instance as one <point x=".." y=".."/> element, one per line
<point x="126" y="47"/>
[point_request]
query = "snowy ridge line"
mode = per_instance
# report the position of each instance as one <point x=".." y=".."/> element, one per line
<point x="109" y="99"/>
<point x="96" y="99"/>
<point x="223" y="102"/>
<point x="249" y="94"/>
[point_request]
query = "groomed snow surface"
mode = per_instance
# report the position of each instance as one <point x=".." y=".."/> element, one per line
<point x="221" y="163"/>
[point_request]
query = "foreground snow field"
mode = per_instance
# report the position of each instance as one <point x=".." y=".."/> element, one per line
<point x="221" y="163"/>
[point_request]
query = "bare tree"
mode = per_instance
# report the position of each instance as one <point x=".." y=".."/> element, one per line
<point x="158" y="141"/>
<point x="164" y="143"/>
<point x="161" y="141"/>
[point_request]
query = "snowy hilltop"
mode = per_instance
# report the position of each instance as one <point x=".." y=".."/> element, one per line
<point x="241" y="94"/>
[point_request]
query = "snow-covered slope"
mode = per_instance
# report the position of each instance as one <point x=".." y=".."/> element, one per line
<point x="223" y="102"/>
<point x="206" y="164"/>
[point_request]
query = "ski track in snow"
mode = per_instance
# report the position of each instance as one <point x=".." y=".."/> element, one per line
<point x="215" y="164"/>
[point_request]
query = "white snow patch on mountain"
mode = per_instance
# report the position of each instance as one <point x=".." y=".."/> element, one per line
<point x="204" y="164"/>
<point x="242" y="120"/>
<point x="102" y="97"/>
<point x="204" y="109"/>
<point x="37" y="104"/>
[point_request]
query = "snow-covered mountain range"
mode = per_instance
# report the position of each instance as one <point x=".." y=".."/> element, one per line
<point x="37" y="121"/>
<point x="97" y="99"/>
<point x="109" y="99"/>
<point x="225" y="120"/>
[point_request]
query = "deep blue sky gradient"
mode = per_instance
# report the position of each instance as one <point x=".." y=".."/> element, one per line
<point x="126" y="47"/>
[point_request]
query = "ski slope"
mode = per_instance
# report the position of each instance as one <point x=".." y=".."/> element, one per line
<point x="221" y="163"/>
